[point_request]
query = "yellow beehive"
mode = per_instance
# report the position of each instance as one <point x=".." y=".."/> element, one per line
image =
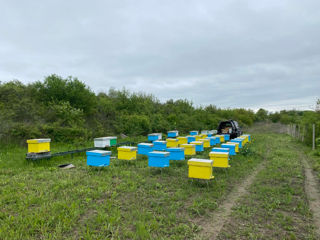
<point x="246" y="139"/>
<point x="198" y="137"/>
<point x="200" y="168"/>
<point x="127" y="153"/>
<point x="203" y="135"/>
<point x="189" y="149"/>
<point x="220" y="159"/>
<point x="221" y="138"/>
<point x="236" y="144"/>
<point x="172" y="142"/>
<point x="39" y="145"/>
<point x="182" y="140"/>
<point x="206" y="142"/>
<point x="248" y="136"/>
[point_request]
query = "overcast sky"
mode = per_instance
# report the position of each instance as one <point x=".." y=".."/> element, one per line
<point x="228" y="53"/>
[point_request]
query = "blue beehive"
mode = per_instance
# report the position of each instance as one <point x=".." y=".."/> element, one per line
<point x="212" y="140"/>
<point x="199" y="146"/>
<point x="159" y="145"/>
<point x="220" y="149"/>
<point x="192" y="133"/>
<point x="237" y="141"/>
<point x="158" y="159"/>
<point x="154" y="136"/>
<point x="217" y="140"/>
<point x="191" y="138"/>
<point x="232" y="148"/>
<point x="173" y="134"/>
<point x="98" y="158"/>
<point x="176" y="153"/>
<point x="226" y="137"/>
<point x="209" y="134"/>
<point x="145" y="148"/>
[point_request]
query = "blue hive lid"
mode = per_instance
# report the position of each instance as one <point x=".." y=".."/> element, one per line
<point x="175" y="149"/>
<point x="159" y="142"/>
<point x="226" y="145"/>
<point x="98" y="153"/>
<point x="173" y="131"/>
<point x="220" y="149"/>
<point x="159" y="154"/>
<point x="191" y="136"/>
<point x="236" y="140"/>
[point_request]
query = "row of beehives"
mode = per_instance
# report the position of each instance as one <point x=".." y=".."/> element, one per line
<point x="43" y="145"/>
<point x="160" y="152"/>
<point x="175" y="133"/>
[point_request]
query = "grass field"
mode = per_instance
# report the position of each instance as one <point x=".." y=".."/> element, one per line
<point x="128" y="200"/>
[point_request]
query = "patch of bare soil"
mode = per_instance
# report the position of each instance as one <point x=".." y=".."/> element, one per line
<point x="313" y="195"/>
<point x="212" y="228"/>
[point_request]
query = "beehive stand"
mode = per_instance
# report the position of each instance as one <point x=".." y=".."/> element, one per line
<point x="48" y="155"/>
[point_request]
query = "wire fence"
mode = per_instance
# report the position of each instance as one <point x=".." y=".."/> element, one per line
<point x="306" y="133"/>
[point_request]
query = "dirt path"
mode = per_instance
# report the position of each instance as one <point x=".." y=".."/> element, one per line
<point x="212" y="228"/>
<point x="312" y="194"/>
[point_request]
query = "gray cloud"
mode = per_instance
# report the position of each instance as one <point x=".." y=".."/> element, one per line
<point x="232" y="54"/>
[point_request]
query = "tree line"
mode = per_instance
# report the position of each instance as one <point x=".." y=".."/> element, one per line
<point x="65" y="109"/>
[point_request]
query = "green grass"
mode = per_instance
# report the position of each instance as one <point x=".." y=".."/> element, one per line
<point x="276" y="206"/>
<point x="314" y="159"/>
<point x="126" y="200"/>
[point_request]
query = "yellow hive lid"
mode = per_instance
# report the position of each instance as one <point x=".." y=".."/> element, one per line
<point x="197" y="143"/>
<point x="219" y="154"/>
<point x="200" y="162"/>
<point x="188" y="145"/>
<point x="181" y="137"/>
<point x="39" y="140"/>
<point x="172" y="140"/>
<point x="127" y="148"/>
<point x="205" y="140"/>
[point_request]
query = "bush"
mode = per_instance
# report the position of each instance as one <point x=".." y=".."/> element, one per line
<point x="65" y="109"/>
<point x="20" y="131"/>
<point x="65" y="134"/>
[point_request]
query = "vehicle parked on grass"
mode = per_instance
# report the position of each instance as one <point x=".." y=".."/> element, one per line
<point x="230" y="127"/>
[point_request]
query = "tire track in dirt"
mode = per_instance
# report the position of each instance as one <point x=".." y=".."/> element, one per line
<point x="313" y="194"/>
<point x="212" y="228"/>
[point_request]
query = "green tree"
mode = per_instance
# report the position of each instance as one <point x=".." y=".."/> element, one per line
<point x="56" y="89"/>
<point x="262" y="115"/>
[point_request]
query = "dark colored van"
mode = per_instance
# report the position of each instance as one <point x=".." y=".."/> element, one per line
<point x="230" y="127"/>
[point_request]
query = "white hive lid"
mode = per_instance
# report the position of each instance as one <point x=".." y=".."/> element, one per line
<point x="146" y="144"/>
<point x="200" y="160"/>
